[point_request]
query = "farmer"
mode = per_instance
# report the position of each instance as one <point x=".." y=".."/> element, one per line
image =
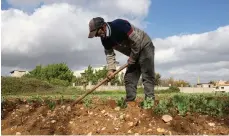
<point x="122" y="36"/>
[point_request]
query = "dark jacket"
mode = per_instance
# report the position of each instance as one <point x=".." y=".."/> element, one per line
<point x="125" y="38"/>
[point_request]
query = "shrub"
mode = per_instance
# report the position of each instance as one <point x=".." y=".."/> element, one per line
<point x="14" y="85"/>
<point x="174" y="89"/>
<point x="59" y="82"/>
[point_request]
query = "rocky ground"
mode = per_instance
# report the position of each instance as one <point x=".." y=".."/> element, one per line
<point x="102" y="118"/>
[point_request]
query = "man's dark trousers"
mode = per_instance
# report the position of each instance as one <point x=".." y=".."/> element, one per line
<point x="145" y="67"/>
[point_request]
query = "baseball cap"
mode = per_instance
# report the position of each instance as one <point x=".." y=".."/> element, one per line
<point x="94" y="24"/>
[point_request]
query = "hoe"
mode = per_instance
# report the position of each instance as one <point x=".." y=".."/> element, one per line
<point x="99" y="84"/>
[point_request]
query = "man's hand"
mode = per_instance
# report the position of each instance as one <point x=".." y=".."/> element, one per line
<point x="130" y="61"/>
<point x="110" y="74"/>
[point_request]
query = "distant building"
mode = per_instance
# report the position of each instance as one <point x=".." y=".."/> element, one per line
<point x="18" y="73"/>
<point x="78" y="73"/>
<point x="205" y="85"/>
<point x="222" y="86"/>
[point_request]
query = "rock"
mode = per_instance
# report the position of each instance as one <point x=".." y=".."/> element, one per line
<point x="211" y="124"/>
<point x="63" y="107"/>
<point x="121" y="116"/>
<point x="160" y="130"/>
<point x="27" y="106"/>
<point x="103" y="111"/>
<point x="170" y="133"/>
<point x="69" y="108"/>
<point x="81" y="108"/>
<point x="129" y="131"/>
<point x="166" y="118"/>
<point x="127" y="117"/>
<point x="89" y="134"/>
<point x="71" y="122"/>
<point x="90" y="113"/>
<point x="53" y="121"/>
<point x="111" y="116"/>
<point x="18" y="133"/>
<point x="168" y="123"/>
<point x="117" y="108"/>
<point x="96" y="122"/>
<point x="130" y="124"/>
<point x="149" y="130"/>
<point x="106" y="114"/>
<point x="103" y="128"/>
<point x="116" y="128"/>
<point x="136" y="134"/>
<point x="150" y="124"/>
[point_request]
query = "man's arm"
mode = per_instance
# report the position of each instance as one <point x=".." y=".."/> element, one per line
<point x="110" y="54"/>
<point x="110" y="57"/>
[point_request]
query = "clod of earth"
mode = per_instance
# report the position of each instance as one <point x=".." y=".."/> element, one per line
<point x="129" y="131"/>
<point x="211" y="124"/>
<point x="103" y="111"/>
<point x="103" y="128"/>
<point x="68" y="108"/>
<point x="166" y="118"/>
<point x="117" y="108"/>
<point x="116" y="128"/>
<point x="130" y="124"/>
<point x="160" y="130"/>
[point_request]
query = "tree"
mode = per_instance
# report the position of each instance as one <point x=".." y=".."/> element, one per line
<point x="157" y="79"/>
<point x="212" y="82"/>
<point x="52" y="73"/>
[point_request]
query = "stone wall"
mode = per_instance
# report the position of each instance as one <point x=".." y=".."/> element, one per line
<point x="121" y="88"/>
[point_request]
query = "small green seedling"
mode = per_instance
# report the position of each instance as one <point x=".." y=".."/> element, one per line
<point x="87" y="102"/>
<point x="121" y="103"/>
<point x="148" y="103"/>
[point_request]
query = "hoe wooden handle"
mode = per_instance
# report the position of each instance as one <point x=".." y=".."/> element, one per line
<point x="99" y="84"/>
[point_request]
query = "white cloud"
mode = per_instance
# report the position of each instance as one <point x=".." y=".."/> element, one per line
<point x="189" y="56"/>
<point x="58" y="32"/>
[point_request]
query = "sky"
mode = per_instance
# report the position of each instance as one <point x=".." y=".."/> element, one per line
<point x="190" y="37"/>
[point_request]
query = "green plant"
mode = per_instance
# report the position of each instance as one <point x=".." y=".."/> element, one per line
<point x="87" y="102"/>
<point x="59" y="82"/>
<point x="62" y="99"/>
<point x="182" y="103"/>
<point x="174" y="89"/>
<point x="148" y="103"/>
<point x="51" y="104"/>
<point x="121" y="103"/>
<point x="162" y="107"/>
<point x="37" y="98"/>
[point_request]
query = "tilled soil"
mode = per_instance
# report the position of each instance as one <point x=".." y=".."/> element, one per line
<point x="102" y="118"/>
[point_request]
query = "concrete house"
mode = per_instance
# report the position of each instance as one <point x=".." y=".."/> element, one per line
<point x="204" y="85"/>
<point x="222" y="88"/>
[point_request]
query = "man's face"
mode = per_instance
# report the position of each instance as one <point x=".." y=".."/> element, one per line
<point x="101" y="32"/>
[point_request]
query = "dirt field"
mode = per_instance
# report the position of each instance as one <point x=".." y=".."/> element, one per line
<point x="21" y="117"/>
